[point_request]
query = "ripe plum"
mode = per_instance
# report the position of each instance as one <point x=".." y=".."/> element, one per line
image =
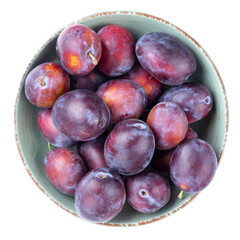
<point x="194" y="98"/>
<point x="147" y="191"/>
<point x="50" y="133"/>
<point x="118" y="55"/>
<point x="81" y="115"/>
<point x="129" y="147"/>
<point x="79" y="49"/>
<point x="125" y="99"/>
<point x="45" y="83"/>
<point x="151" y="85"/>
<point x="193" y="165"/>
<point x="93" y="152"/>
<point x="168" y="123"/>
<point x="64" y="169"/>
<point x="165" y="58"/>
<point x="91" y="81"/>
<point x="100" y="195"/>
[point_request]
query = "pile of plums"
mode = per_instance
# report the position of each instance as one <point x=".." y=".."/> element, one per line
<point x="109" y="96"/>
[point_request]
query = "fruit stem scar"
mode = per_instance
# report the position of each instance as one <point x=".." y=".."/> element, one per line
<point x="95" y="62"/>
<point x="180" y="194"/>
<point x="101" y="123"/>
<point x="40" y="80"/>
<point x="49" y="146"/>
<point x="143" y="193"/>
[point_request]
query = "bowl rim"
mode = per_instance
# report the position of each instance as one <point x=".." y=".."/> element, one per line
<point x="130" y="13"/>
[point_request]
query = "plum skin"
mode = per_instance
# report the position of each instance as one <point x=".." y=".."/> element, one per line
<point x="168" y="123"/>
<point x="190" y="134"/>
<point x="124" y="98"/>
<point x="45" y="83"/>
<point x="147" y="191"/>
<point x="81" y="115"/>
<point x="165" y="58"/>
<point x="49" y="132"/>
<point x="100" y="195"/>
<point x="161" y="158"/>
<point x="129" y="147"/>
<point x="93" y="152"/>
<point x="194" y="98"/>
<point x="75" y="47"/>
<point x="92" y="81"/>
<point x="64" y="169"/>
<point x="152" y="86"/>
<point x="118" y="55"/>
<point x="194" y="170"/>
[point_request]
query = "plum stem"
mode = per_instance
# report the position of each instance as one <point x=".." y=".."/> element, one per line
<point x="95" y="62"/>
<point x="180" y="194"/>
<point x="49" y="146"/>
<point x="41" y="79"/>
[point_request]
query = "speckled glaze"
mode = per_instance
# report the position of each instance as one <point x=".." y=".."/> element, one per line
<point x="213" y="128"/>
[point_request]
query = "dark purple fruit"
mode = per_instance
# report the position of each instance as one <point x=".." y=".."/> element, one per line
<point x="129" y="147"/>
<point x="147" y="191"/>
<point x="50" y="133"/>
<point x="64" y="169"/>
<point x="168" y="123"/>
<point x="194" y="98"/>
<point x="93" y="152"/>
<point x="100" y="195"/>
<point x="118" y="54"/>
<point x="193" y="165"/>
<point x="45" y="83"/>
<point x="161" y="158"/>
<point x="81" y="115"/>
<point x="165" y="58"/>
<point x="124" y="98"/>
<point x="152" y="86"/>
<point x="92" y="81"/>
<point x="79" y="49"/>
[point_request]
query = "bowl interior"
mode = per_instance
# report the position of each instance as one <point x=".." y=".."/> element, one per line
<point x="33" y="147"/>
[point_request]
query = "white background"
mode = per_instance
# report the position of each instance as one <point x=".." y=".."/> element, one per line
<point x="25" y="212"/>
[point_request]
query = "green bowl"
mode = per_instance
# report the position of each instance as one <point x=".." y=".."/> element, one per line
<point x="33" y="147"/>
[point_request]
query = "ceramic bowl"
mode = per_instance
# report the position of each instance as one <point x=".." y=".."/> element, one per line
<point x="33" y="147"/>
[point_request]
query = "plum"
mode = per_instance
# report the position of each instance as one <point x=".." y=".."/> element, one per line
<point x="194" y="98"/>
<point x="168" y="123"/>
<point x="79" y="49"/>
<point x="45" y="84"/>
<point x="64" y="169"/>
<point x="92" y="81"/>
<point x="165" y="58"/>
<point x="118" y="55"/>
<point x="124" y="98"/>
<point x="81" y="115"/>
<point x="50" y="133"/>
<point x="193" y="165"/>
<point x="100" y="195"/>
<point x="93" y="152"/>
<point x="151" y="85"/>
<point x="147" y="191"/>
<point x="129" y="147"/>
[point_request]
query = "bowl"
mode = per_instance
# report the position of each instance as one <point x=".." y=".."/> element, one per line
<point x="213" y="128"/>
